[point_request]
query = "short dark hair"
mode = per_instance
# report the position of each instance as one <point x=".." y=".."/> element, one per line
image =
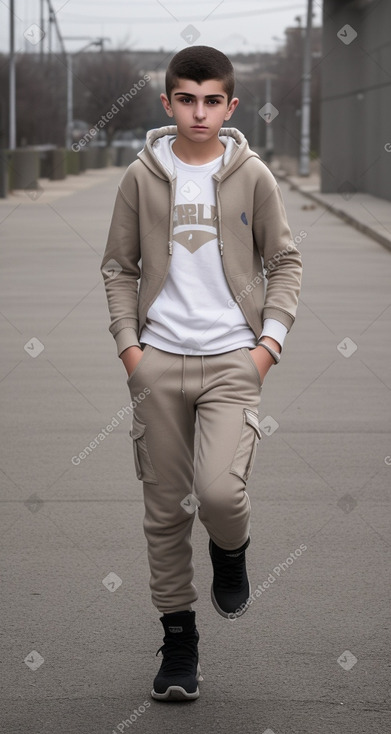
<point x="200" y="63"/>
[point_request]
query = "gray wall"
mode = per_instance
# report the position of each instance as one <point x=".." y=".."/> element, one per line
<point x="356" y="98"/>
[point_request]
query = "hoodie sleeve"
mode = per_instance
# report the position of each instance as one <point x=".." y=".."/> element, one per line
<point x="120" y="270"/>
<point x="282" y="259"/>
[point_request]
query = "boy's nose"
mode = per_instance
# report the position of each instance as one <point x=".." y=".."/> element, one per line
<point x="199" y="112"/>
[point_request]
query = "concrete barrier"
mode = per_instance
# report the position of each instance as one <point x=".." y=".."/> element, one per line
<point x="102" y="158"/>
<point x="23" y="169"/>
<point x="124" y="155"/>
<point x="4" y="163"/>
<point x="86" y="159"/>
<point x="53" y="164"/>
<point x="72" y="162"/>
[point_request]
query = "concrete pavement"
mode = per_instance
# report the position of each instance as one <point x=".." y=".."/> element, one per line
<point x="366" y="213"/>
<point x="311" y="654"/>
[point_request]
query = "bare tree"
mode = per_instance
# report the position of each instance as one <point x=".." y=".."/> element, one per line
<point x="40" y="99"/>
<point x="111" y="92"/>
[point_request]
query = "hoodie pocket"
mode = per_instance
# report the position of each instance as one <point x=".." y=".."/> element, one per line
<point x="244" y="458"/>
<point x="142" y="460"/>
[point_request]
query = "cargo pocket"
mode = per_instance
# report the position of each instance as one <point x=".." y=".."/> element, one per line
<point x="244" y="458"/>
<point x="142" y="461"/>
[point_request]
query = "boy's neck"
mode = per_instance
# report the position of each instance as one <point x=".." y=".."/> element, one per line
<point x="196" y="154"/>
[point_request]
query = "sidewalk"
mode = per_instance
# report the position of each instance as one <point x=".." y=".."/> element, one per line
<point x="366" y="213"/>
<point x="79" y="632"/>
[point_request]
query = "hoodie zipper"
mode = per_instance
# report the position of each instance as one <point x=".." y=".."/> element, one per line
<point x="172" y="186"/>
<point x="220" y="238"/>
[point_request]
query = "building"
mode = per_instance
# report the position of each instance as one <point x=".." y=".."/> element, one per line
<point x="356" y="97"/>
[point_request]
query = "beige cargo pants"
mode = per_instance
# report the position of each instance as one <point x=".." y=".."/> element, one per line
<point x="224" y="391"/>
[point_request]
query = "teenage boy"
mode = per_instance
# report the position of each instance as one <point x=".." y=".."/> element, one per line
<point x="197" y="219"/>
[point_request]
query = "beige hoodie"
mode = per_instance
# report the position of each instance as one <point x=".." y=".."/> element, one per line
<point x="252" y="229"/>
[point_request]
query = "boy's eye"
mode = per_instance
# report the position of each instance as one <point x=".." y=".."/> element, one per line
<point x="188" y="100"/>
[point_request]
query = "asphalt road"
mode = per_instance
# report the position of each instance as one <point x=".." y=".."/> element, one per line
<point x="79" y="632"/>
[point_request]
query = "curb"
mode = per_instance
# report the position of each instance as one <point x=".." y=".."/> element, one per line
<point x="364" y="228"/>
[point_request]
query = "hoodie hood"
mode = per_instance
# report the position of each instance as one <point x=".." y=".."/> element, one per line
<point x="156" y="154"/>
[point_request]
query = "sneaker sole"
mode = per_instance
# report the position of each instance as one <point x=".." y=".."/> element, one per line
<point x="229" y="615"/>
<point x="177" y="693"/>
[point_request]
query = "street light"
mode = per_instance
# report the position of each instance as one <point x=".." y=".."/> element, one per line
<point x="12" y="115"/>
<point x="69" y="58"/>
<point x="268" y="77"/>
<point x="305" y="138"/>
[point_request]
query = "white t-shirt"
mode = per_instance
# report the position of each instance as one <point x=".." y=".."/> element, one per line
<point x="194" y="313"/>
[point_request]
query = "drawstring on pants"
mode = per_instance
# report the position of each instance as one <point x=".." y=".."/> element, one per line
<point x="183" y="374"/>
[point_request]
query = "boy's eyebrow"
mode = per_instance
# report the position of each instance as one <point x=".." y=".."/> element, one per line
<point x="207" y="96"/>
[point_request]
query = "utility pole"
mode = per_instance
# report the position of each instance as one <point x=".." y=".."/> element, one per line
<point x="41" y="23"/>
<point x="53" y="21"/>
<point x="305" y="137"/>
<point x="12" y="113"/>
<point x="69" y="60"/>
<point x="269" y="137"/>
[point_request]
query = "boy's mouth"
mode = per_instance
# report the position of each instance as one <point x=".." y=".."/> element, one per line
<point x="199" y="127"/>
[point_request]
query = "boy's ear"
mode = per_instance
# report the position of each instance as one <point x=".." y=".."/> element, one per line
<point x="231" y="108"/>
<point x="166" y="104"/>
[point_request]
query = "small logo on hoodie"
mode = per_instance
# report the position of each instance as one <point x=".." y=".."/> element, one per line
<point x="244" y="218"/>
<point x="175" y="629"/>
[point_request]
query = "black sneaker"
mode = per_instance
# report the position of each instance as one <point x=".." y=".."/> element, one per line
<point x="177" y="679"/>
<point x="230" y="588"/>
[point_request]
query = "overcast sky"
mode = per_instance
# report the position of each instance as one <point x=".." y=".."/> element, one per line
<point x="230" y="25"/>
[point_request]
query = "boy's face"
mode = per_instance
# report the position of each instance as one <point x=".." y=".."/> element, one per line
<point x="199" y="109"/>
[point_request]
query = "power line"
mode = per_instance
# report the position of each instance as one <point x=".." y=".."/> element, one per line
<point x="125" y="3"/>
<point x="187" y="19"/>
<point x="53" y="19"/>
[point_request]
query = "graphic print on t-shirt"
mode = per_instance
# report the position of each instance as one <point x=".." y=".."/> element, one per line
<point x="194" y="225"/>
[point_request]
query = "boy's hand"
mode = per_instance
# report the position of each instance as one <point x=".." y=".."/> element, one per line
<point x="131" y="357"/>
<point x="262" y="358"/>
